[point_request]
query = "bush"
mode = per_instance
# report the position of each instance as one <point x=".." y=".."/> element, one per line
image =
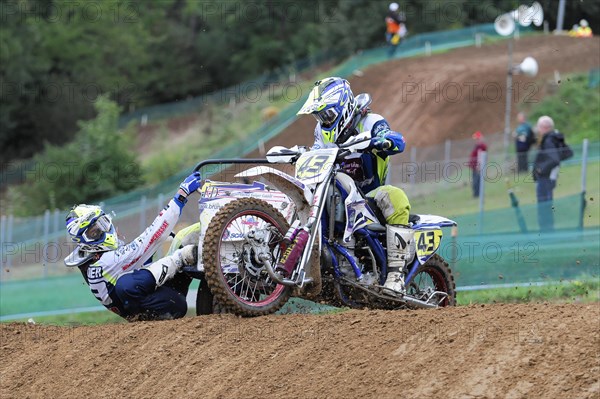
<point x="574" y="109"/>
<point x="97" y="164"/>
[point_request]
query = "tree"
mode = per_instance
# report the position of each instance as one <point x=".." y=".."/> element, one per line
<point x="97" y="164"/>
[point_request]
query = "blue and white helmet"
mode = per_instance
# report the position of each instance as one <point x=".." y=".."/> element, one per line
<point x="91" y="229"/>
<point x="332" y="103"/>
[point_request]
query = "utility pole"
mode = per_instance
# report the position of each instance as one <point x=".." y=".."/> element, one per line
<point x="560" y="19"/>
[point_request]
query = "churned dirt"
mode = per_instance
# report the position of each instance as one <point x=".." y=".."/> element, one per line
<point x="492" y="351"/>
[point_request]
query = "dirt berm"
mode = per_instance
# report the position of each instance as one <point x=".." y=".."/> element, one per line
<point x="492" y="351"/>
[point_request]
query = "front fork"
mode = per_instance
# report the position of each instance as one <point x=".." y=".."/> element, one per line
<point x="412" y="270"/>
<point x="298" y="276"/>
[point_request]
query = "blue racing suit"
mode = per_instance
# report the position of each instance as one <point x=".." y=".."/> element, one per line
<point x="370" y="168"/>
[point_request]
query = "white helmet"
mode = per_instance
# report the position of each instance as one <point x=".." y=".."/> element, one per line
<point x="394" y="7"/>
<point x="91" y="229"/>
<point x="584" y="23"/>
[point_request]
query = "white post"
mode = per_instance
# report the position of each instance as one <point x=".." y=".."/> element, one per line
<point x="478" y="40"/>
<point x="584" y="156"/>
<point x="261" y="147"/>
<point x="55" y="230"/>
<point x="46" y="233"/>
<point x="447" y="149"/>
<point x="2" y="244"/>
<point x="482" y="162"/>
<point x="56" y="224"/>
<point x="427" y="49"/>
<point x="413" y="161"/>
<point x="143" y="213"/>
<point x="546" y="27"/>
<point x="509" y="80"/>
<point x="9" y="238"/>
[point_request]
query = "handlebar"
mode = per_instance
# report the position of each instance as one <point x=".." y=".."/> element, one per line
<point x="342" y="146"/>
<point x="230" y="161"/>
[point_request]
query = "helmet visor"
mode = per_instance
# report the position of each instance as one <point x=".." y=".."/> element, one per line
<point x="98" y="228"/>
<point x="326" y="117"/>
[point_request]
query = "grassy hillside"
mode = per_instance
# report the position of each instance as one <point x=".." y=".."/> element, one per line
<point x="574" y="108"/>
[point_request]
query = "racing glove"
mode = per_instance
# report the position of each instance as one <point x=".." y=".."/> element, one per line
<point x="188" y="186"/>
<point x="380" y="143"/>
<point x="191" y="183"/>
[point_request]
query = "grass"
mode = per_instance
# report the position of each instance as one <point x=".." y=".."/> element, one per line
<point x="229" y="125"/>
<point x="573" y="291"/>
<point x="457" y="200"/>
<point x="577" y="291"/>
<point x="574" y="108"/>
<point x="77" y="319"/>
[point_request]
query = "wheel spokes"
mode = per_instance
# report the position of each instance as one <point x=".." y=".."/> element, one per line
<point x="248" y="282"/>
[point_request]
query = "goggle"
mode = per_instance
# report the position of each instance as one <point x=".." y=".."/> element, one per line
<point x="326" y="117"/>
<point x="97" y="229"/>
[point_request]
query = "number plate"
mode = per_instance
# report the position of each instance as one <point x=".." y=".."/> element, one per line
<point x="428" y="241"/>
<point x="315" y="165"/>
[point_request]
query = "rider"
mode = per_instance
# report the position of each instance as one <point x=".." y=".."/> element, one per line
<point x="123" y="277"/>
<point x="339" y="117"/>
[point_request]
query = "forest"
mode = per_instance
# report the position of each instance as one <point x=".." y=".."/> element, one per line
<point x="59" y="56"/>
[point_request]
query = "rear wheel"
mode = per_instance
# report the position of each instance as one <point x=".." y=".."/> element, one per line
<point x="434" y="275"/>
<point x="206" y="303"/>
<point x="236" y="238"/>
<point x="204" y="299"/>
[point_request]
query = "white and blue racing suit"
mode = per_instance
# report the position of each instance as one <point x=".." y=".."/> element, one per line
<point x="118" y="280"/>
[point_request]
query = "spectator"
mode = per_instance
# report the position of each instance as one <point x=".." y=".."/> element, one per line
<point x="551" y="151"/>
<point x="474" y="161"/>
<point x="524" y="138"/>
<point x="584" y="29"/>
<point x="396" y="29"/>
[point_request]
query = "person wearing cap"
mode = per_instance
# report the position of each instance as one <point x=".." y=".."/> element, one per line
<point x="474" y="161"/>
<point x="395" y="28"/>
<point x="524" y="138"/>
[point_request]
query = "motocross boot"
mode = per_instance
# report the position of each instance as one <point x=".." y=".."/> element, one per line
<point x="164" y="269"/>
<point x="400" y="251"/>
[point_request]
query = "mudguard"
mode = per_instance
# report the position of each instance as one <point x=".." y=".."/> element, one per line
<point x="428" y="221"/>
<point x="292" y="187"/>
<point x="215" y="195"/>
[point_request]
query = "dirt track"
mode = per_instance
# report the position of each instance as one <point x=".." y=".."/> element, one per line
<point x="450" y="95"/>
<point x="499" y="351"/>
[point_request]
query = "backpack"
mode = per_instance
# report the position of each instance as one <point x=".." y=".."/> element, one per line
<point x="564" y="151"/>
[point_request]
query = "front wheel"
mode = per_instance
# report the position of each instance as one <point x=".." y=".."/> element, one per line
<point x="238" y="238"/>
<point x="434" y="275"/>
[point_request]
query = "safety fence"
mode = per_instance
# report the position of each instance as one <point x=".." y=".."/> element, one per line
<point x="478" y="262"/>
<point x="36" y="247"/>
